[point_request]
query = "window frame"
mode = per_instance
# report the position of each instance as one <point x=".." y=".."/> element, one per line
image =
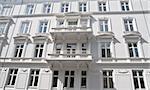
<point x="10" y="77"/>
<point x="39" y="50"/>
<point x="83" y="85"/>
<point x="134" y="52"/>
<point x="55" y="77"/>
<point x="3" y="27"/>
<point x="46" y="8"/>
<point x="102" y="6"/>
<point x="65" y="7"/>
<point x="83" y="6"/>
<point x="19" y="48"/>
<point x="107" y="50"/>
<point x="9" y="10"/>
<point x="29" y="9"/>
<point x="34" y="75"/>
<point x="103" y="24"/>
<point x="42" y="28"/>
<point x="67" y="84"/>
<point x="26" y="27"/>
<point x="123" y="4"/>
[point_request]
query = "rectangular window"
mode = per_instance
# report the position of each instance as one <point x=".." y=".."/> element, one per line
<point x="133" y="49"/>
<point x="71" y="50"/>
<point x="72" y="22"/>
<point x="58" y="48"/>
<point x="125" y="6"/>
<point x="24" y="27"/>
<point x="82" y="7"/>
<point x="108" y="79"/>
<point x="6" y="10"/>
<point x="12" y="75"/>
<point x="65" y="7"/>
<point x="39" y="50"/>
<point x="2" y="27"/>
<point x="105" y="49"/>
<point x="69" y="79"/>
<point x="84" y="48"/>
<point x="55" y="78"/>
<point x="29" y="9"/>
<point x="19" y="50"/>
<point x="47" y="8"/>
<point x="43" y="27"/>
<point x="83" y="79"/>
<point x="34" y="77"/>
<point x="103" y="25"/>
<point x="138" y="79"/>
<point x="102" y="6"/>
<point x="128" y="23"/>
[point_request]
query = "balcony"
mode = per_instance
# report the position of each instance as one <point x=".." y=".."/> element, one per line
<point x="131" y="34"/>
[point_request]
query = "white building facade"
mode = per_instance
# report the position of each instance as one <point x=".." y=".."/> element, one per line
<point x="74" y="45"/>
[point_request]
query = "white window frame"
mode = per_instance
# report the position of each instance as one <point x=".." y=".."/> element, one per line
<point x="106" y="46"/>
<point x="47" y="8"/>
<point x="133" y="48"/>
<point x="3" y="26"/>
<point x="19" y="49"/>
<point x="69" y="76"/>
<point x="103" y="7"/>
<point x="65" y="7"/>
<point x="29" y="10"/>
<point x="128" y="19"/>
<point x="138" y="77"/>
<point x="39" y="48"/>
<point x="34" y="75"/>
<point x="11" y="76"/>
<point x="83" y="6"/>
<point x="102" y="22"/>
<point x="108" y="76"/>
<point x="25" y="27"/>
<point x="6" y="10"/>
<point x="125" y="5"/>
<point x="55" y="77"/>
<point x="42" y="27"/>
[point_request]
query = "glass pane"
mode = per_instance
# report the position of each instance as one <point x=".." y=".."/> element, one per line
<point x="71" y="82"/>
<point x="136" y="85"/>
<point x="55" y="72"/>
<point x="55" y="81"/>
<point x="66" y="81"/>
<point x="105" y="82"/>
<point x="16" y="70"/>
<point x="83" y="82"/>
<point x="108" y="53"/>
<point x="37" y="72"/>
<point x="140" y="73"/>
<point x="134" y="73"/>
<point x="72" y="72"/>
<point x="13" y="80"/>
<point x="31" y="81"/>
<point x="110" y="82"/>
<point x="142" y="83"/>
<point x="36" y="81"/>
<point x="83" y="73"/>
<point x="41" y="51"/>
<point x="66" y="72"/>
<point x="103" y="53"/>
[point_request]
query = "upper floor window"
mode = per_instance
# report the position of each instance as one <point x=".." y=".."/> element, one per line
<point x="34" y="77"/>
<point x="29" y="9"/>
<point x="19" y="50"/>
<point x="83" y="79"/>
<point x="24" y="27"/>
<point x="125" y="6"/>
<point x="43" y="27"/>
<point x="2" y="27"/>
<point x="102" y="6"/>
<point x="71" y="49"/>
<point x="138" y="79"/>
<point x="6" y="10"/>
<point x="39" y="50"/>
<point x="103" y="25"/>
<point x="133" y="50"/>
<point x="73" y="22"/>
<point x="129" y="25"/>
<point x="82" y="7"/>
<point x="105" y="50"/>
<point x="108" y="79"/>
<point x="12" y="75"/>
<point x="69" y="79"/>
<point x="47" y="8"/>
<point x="65" y="7"/>
<point x="55" y="78"/>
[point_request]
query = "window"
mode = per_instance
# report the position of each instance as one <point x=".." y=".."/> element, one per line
<point x="83" y="79"/>
<point x="105" y="50"/>
<point x="65" y="7"/>
<point x="6" y="10"/>
<point x="84" y="48"/>
<point x="72" y="22"/>
<point x="82" y="7"/>
<point x="58" y="48"/>
<point x="34" y="77"/>
<point x="84" y="22"/>
<point x="2" y="27"/>
<point x="43" y="27"/>
<point x="24" y="27"/>
<point x="29" y="9"/>
<point x="39" y="50"/>
<point x="69" y="79"/>
<point x="71" y="50"/>
<point x="124" y="6"/>
<point x="133" y="49"/>
<point x="138" y="79"/>
<point x="47" y="8"/>
<point x="55" y="78"/>
<point x="103" y="25"/>
<point x="108" y="79"/>
<point x="129" y="24"/>
<point x="19" y="50"/>
<point x="12" y="75"/>
<point x="102" y="6"/>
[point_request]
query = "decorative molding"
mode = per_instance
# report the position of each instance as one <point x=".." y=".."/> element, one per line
<point x="24" y="70"/>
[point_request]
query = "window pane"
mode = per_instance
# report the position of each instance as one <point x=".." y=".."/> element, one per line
<point x="110" y="82"/>
<point x="36" y="81"/>
<point x="71" y="82"/>
<point x="83" y="82"/>
<point x="55" y="81"/>
<point x="103" y="53"/>
<point x="105" y="82"/>
<point x="142" y="83"/>
<point x="31" y="81"/>
<point x="13" y="81"/>
<point x="136" y="85"/>
<point x="66" y="81"/>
